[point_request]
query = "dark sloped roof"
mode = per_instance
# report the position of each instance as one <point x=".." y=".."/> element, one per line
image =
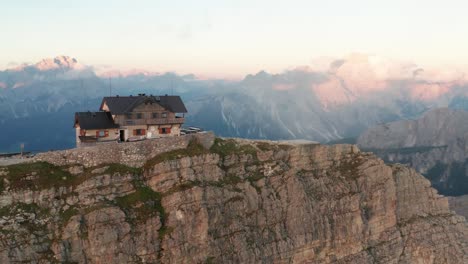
<point x="173" y="103"/>
<point x="124" y="104"/>
<point x="95" y="120"/>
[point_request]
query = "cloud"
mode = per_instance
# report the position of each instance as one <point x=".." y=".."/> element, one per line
<point x="283" y="86"/>
<point x="428" y="91"/>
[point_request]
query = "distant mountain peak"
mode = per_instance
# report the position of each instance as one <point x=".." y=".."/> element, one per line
<point x="63" y="62"/>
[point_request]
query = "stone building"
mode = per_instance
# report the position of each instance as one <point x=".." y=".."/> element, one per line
<point x="131" y="118"/>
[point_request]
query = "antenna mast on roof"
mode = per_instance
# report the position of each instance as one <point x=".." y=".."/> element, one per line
<point x="84" y="93"/>
<point x="172" y="85"/>
<point x="110" y="86"/>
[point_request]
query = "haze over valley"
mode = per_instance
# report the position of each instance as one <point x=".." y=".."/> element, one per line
<point x="326" y="101"/>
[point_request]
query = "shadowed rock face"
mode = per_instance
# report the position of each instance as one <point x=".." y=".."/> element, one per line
<point x="239" y="202"/>
<point x="436" y="145"/>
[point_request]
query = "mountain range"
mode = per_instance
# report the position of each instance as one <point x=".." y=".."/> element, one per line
<point x="327" y="100"/>
<point x="436" y="145"/>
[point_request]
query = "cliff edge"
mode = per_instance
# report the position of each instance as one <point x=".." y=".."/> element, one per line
<point x="207" y="200"/>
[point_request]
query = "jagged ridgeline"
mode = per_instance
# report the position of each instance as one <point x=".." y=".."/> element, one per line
<point x="201" y="199"/>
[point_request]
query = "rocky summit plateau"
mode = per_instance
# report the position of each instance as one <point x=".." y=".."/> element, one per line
<point x="202" y="199"/>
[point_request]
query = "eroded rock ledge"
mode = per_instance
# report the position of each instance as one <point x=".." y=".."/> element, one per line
<point x="237" y="201"/>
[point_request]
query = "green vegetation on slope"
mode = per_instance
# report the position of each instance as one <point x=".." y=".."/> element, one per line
<point x="43" y="175"/>
<point x="36" y="176"/>
<point x="226" y="147"/>
<point x="141" y="204"/>
<point x="194" y="148"/>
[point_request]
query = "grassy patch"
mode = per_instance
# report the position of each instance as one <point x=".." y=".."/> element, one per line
<point x="255" y="177"/>
<point x="43" y="175"/>
<point x="122" y="169"/>
<point x="349" y="167"/>
<point x="264" y="146"/>
<point x="38" y="175"/>
<point x="210" y="260"/>
<point x="164" y="231"/>
<point x="67" y="214"/>
<point x="226" y="147"/>
<point x="142" y="204"/>
<point x="229" y="179"/>
<point x="194" y="148"/>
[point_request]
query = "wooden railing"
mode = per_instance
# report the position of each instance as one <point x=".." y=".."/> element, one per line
<point x="153" y="121"/>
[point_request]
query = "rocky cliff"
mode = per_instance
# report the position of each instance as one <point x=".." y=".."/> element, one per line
<point x="436" y="145"/>
<point x="224" y="201"/>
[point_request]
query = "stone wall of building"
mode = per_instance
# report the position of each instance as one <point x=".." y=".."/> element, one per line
<point x="133" y="154"/>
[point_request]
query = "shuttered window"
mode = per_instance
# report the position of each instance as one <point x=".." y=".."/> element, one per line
<point x="139" y="132"/>
<point x="165" y="130"/>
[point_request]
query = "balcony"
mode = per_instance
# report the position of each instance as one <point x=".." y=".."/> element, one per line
<point x="153" y="121"/>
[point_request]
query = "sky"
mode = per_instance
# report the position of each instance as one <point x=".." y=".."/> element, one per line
<point x="231" y="38"/>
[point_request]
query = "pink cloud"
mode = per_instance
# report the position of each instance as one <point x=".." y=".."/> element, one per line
<point x="332" y="93"/>
<point x="428" y="92"/>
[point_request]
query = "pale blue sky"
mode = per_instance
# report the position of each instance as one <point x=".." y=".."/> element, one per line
<point x="231" y="38"/>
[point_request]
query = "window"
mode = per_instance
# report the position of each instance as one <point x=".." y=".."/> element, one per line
<point x="155" y="115"/>
<point x="165" y="130"/>
<point x="128" y="115"/>
<point x="102" y="133"/>
<point x="139" y="132"/>
<point x="139" y="115"/>
<point x="164" y="115"/>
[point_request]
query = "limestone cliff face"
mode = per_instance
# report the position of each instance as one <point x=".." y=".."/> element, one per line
<point x="436" y="145"/>
<point x="238" y="202"/>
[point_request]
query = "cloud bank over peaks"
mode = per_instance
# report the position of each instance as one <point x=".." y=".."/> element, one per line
<point x="360" y="76"/>
<point x="58" y="68"/>
<point x="49" y="64"/>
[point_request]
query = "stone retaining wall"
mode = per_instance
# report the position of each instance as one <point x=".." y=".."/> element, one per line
<point x="133" y="154"/>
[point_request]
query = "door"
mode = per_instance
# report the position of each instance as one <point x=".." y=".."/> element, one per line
<point x="122" y="135"/>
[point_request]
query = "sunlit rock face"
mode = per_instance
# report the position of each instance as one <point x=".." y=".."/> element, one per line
<point x="235" y="201"/>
